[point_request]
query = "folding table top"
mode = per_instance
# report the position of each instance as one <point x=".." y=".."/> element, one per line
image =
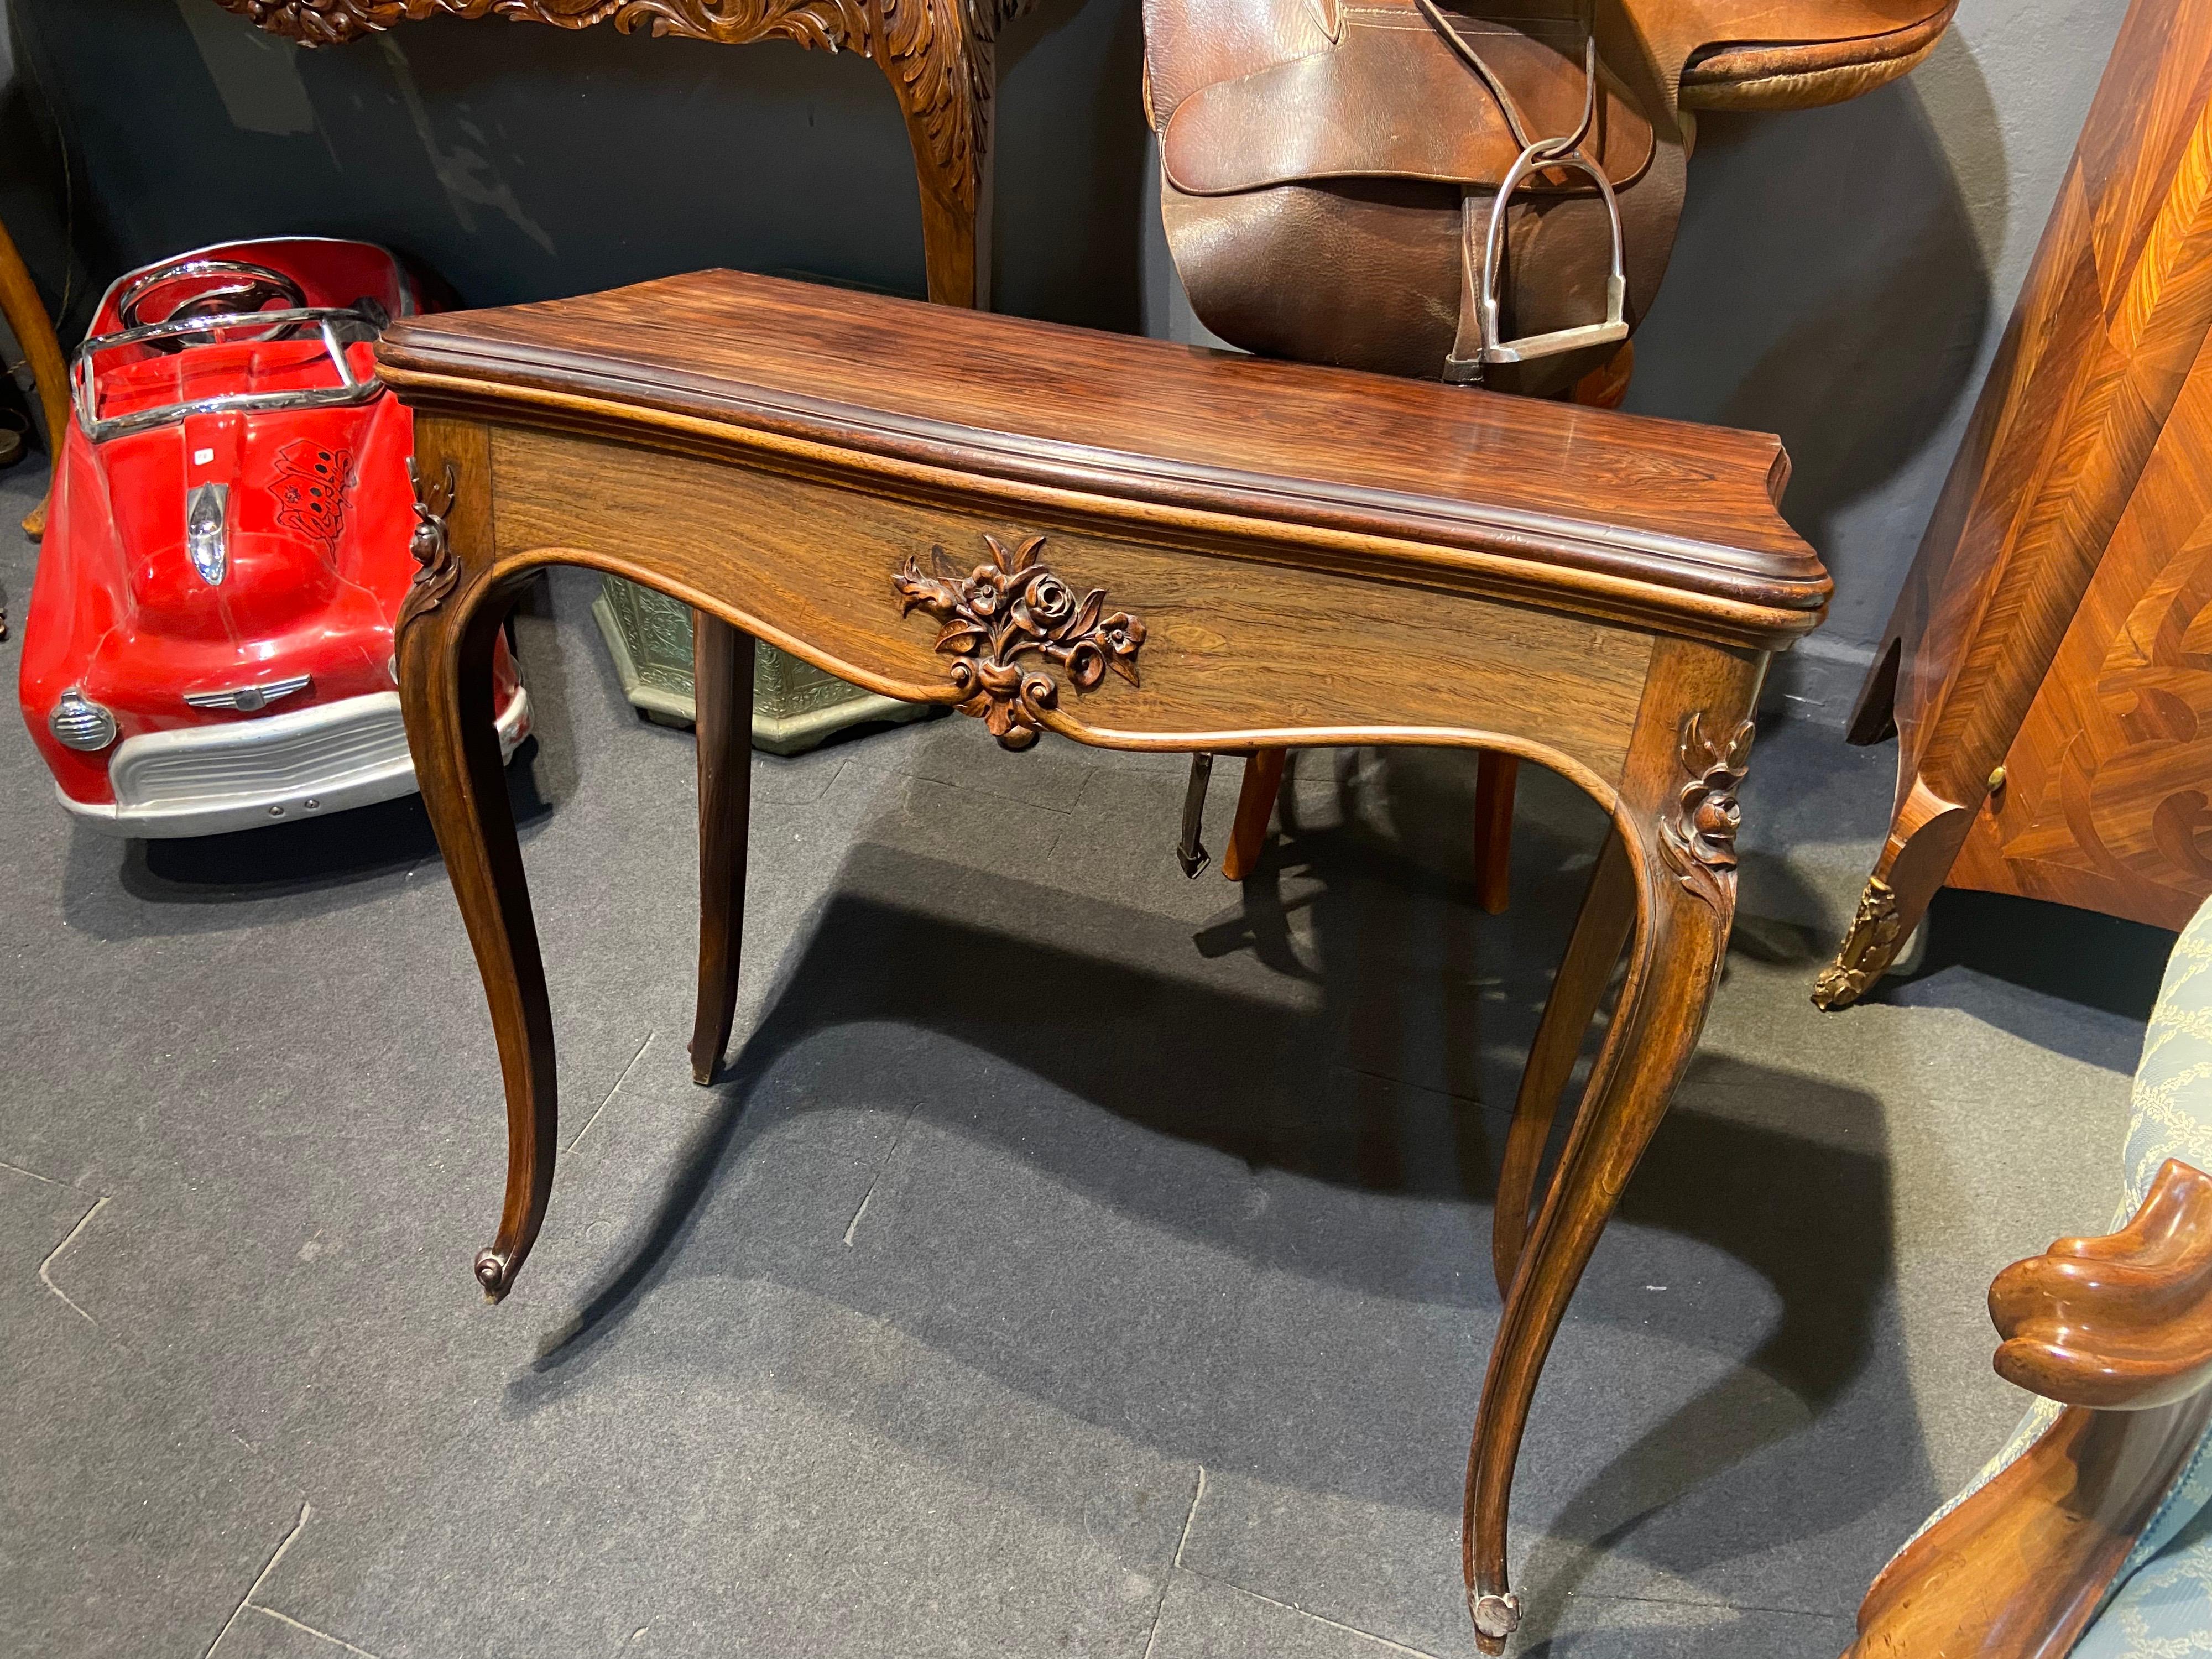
<point x="1684" y="512"/>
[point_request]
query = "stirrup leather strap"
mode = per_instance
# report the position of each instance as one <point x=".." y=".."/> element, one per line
<point x="1478" y="345"/>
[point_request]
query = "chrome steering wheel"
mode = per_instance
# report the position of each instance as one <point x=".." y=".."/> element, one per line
<point x="226" y="288"/>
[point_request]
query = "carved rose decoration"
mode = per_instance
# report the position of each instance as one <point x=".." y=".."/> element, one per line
<point x="1005" y="621"/>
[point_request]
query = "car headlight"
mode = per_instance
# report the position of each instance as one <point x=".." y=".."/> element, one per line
<point x="77" y="722"/>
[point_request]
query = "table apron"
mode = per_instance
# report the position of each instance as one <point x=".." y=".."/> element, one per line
<point x="1233" y="646"/>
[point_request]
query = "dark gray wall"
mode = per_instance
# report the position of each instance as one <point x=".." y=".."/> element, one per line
<point x="521" y="162"/>
<point x="1842" y="274"/>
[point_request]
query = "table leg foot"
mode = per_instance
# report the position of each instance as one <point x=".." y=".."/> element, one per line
<point x="1924" y="838"/>
<point x="722" y="670"/>
<point x="448" y="626"/>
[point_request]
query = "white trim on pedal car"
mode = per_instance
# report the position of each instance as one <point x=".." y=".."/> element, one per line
<point x="241" y="774"/>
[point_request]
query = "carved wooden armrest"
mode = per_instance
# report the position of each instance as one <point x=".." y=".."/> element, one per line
<point x="2118" y="1329"/>
<point x="2122" y="1322"/>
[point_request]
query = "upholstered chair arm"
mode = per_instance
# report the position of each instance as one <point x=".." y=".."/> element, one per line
<point x="2118" y="1329"/>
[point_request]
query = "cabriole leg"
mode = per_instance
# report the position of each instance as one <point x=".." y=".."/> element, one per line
<point x="1924" y="838"/>
<point x="722" y="670"/>
<point x="1677" y="804"/>
<point x="447" y="627"/>
<point x="1601" y="929"/>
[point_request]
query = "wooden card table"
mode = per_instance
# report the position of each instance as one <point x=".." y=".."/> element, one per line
<point x="1140" y="546"/>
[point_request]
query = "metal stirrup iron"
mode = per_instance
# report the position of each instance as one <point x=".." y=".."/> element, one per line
<point x="1480" y="326"/>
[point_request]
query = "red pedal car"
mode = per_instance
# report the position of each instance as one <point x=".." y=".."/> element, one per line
<point x="209" y="641"/>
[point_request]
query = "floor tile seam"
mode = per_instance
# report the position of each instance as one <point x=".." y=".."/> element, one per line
<point x="306" y="1512"/>
<point x="621" y="1080"/>
<point x="53" y="1255"/>
<point x="1453" y="1095"/>
<point x="1306" y="1612"/>
<point x="1175" y="1562"/>
<point x="17" y="1169"/>
<point x="319" y="1635"/>
<point x="997" y="795"/>
<point x="1712" y="1602"/>
<point x="883" y="1168"/>
<point x="829" y="783"/>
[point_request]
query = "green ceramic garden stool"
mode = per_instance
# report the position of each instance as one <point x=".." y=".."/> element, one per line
<point x="795" y="704"/>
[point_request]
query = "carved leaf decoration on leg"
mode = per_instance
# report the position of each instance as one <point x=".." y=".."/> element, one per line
<point x="430" y="545"/>
<point x="1698" y="839"/>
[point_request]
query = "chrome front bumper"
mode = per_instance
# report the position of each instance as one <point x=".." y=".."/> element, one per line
<point x="209" y="780"/>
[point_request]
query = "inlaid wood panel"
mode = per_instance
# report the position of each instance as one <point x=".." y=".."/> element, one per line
<point x="2107" y="801"/>
<point x="1231" y="647"/>
<point x="2114" y="311"/>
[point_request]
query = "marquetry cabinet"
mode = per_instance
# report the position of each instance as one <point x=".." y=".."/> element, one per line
<point x="2048" y="670"/>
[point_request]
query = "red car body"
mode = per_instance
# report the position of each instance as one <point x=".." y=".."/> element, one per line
<point x="209" y="641"/>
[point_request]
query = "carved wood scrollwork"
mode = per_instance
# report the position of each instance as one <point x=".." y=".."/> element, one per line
<point x="1010" y="609"/>
<point x="430" y="545"/>
<point x="1698" y="839"/>
<point x="835" y="24"/>
<point x="937" y="53"/>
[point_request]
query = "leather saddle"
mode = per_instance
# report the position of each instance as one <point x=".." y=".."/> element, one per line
<point x="1482" y="191"/>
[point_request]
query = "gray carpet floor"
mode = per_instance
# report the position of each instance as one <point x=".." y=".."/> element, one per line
<point x="1074" y="1260"/>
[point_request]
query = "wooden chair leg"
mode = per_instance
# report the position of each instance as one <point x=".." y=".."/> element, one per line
<point x="448" y="624"/>
<point x="34" y="330"/>
<point x="1256" y="805"/>
<point x="1608" y="914"/>
<point x="722" y="671"/>
<point x="1494" y="779"/>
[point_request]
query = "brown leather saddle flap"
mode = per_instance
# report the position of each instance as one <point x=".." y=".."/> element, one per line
<point x="1392" y="100"/>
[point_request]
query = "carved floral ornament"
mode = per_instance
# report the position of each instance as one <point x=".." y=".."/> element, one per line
<point x="431" y="545"/>
<point x="1005" y="621"/>
<point x="1698" y="840"/>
